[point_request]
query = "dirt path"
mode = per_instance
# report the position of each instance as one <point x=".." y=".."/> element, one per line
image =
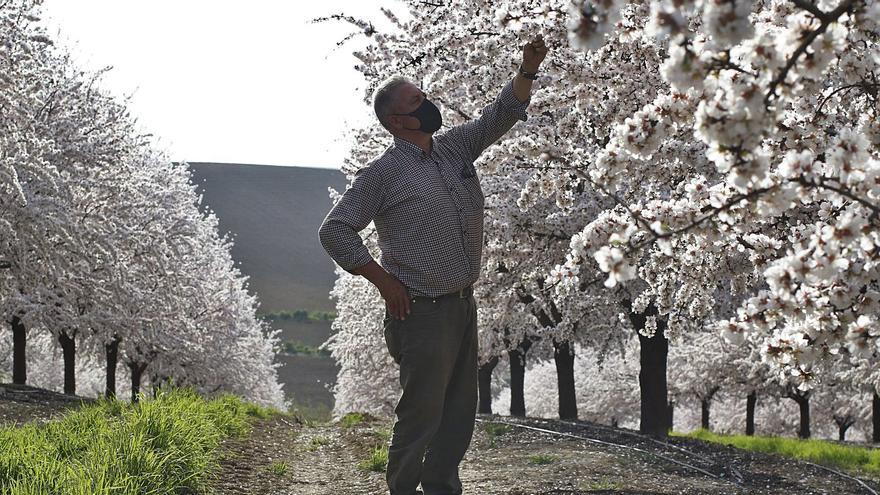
<point x="508" y="460"/>
<point x="284" y="457"/>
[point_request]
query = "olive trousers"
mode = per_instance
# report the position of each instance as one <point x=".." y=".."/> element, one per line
<point x="436" y="348"/>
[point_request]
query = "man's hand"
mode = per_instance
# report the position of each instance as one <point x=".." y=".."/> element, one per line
<point x="396" y="296"/>
<point x="533" y="54"/>
<point x="393" y="291"/>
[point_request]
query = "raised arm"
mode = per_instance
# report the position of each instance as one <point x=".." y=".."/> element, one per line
<point x="495" y="120"/>
<point x="509" y="106"/>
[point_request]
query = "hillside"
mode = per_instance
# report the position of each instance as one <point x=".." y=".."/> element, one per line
<point x="274" y="214"/>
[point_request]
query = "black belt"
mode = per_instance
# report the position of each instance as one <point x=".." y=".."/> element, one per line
<point x="460" y="294"/>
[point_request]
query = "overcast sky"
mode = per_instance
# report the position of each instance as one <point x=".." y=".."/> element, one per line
<point x="224" y="81"/>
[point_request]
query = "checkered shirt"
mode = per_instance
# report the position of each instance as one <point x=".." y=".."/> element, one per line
<point x="427" y="208"/>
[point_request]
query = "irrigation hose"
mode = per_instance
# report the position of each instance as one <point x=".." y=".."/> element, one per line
<point x="666" y="444"/>
<point x="612" y="444"/>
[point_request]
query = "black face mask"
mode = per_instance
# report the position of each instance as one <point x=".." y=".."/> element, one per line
<point x="428" y="115"/>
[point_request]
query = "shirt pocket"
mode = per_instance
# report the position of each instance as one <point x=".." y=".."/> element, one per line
<point x="466" y="173"/>
<point x="468" y="170"/>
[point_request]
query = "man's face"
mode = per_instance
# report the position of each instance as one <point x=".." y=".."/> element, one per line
<point x="407" y="99"/>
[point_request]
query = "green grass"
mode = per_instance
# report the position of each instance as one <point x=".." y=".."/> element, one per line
<point x="495" y="430"/>
<point x="312" y="414"/>
<point x="167" y="444"/>
<point x="385" y="433"/>
<point x="377" y="461"/>
<point x="278" y="468"/>
<point x="351" y="419"/>
<point x="542" y="459"/>
<point x="318" y="442"/>
<point x="602" y="485"/>
<point x="849" y="457"/>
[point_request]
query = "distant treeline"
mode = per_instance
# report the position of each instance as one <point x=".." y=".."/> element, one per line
<point x="294" y="348"/>
<point x="300" y="315"/>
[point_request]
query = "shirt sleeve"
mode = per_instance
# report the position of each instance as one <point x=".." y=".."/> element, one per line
<point x="340" y="230"/>
<point x="496" y="119"/>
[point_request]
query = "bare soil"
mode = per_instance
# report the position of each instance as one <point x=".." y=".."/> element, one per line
<point x="21" y="404"/>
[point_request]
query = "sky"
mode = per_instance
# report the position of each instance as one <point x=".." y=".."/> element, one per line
<point x="222" y="81"/>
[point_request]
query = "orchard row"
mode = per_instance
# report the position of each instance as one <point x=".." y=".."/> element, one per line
<point x="105" y="258"/>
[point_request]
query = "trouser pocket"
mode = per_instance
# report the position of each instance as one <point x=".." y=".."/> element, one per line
<point x="392" y="339"/>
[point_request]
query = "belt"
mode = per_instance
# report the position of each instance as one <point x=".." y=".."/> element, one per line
<point x="460" y="294"/>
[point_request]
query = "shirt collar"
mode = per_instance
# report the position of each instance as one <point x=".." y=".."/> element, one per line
<point x="411" y="148"/>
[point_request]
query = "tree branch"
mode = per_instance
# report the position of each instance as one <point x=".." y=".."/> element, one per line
<point x="825" y="19"/>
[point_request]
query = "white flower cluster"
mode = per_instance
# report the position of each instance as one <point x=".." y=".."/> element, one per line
<point x="589" y="22"/>
<point x="727" y="22"/>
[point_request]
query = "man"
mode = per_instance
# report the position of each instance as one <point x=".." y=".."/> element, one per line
<point x="424" y="196"/>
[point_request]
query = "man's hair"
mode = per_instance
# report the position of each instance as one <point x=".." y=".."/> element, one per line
<point x="383" y="97"/>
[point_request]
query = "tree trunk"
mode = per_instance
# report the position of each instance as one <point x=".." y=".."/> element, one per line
<point x="19" y="341"/>
<point x="751" y="401"/>
<point x="68" y="347"/>
<point x="517" y="380"/>
<point x="704" y="418"/>
<point x="655" y="418"/>
<point x="485" y="385"/>
<point x="804" y="406"/>
<point x="137" y="371"/>
<point x="111" y="351"/>
<point x="563" y="354"/>
<point x="803" y="403"/>
<point x="843" y="424"/>
<point x="875" y="418"/>
<point x="652" y="380"/>
<point x="670" y="415"/>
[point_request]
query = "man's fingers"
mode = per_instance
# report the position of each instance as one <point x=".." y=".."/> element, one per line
<point x="398" y="307"/>
<point x="392" y="308"/>
<point x="406" y="303"/>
